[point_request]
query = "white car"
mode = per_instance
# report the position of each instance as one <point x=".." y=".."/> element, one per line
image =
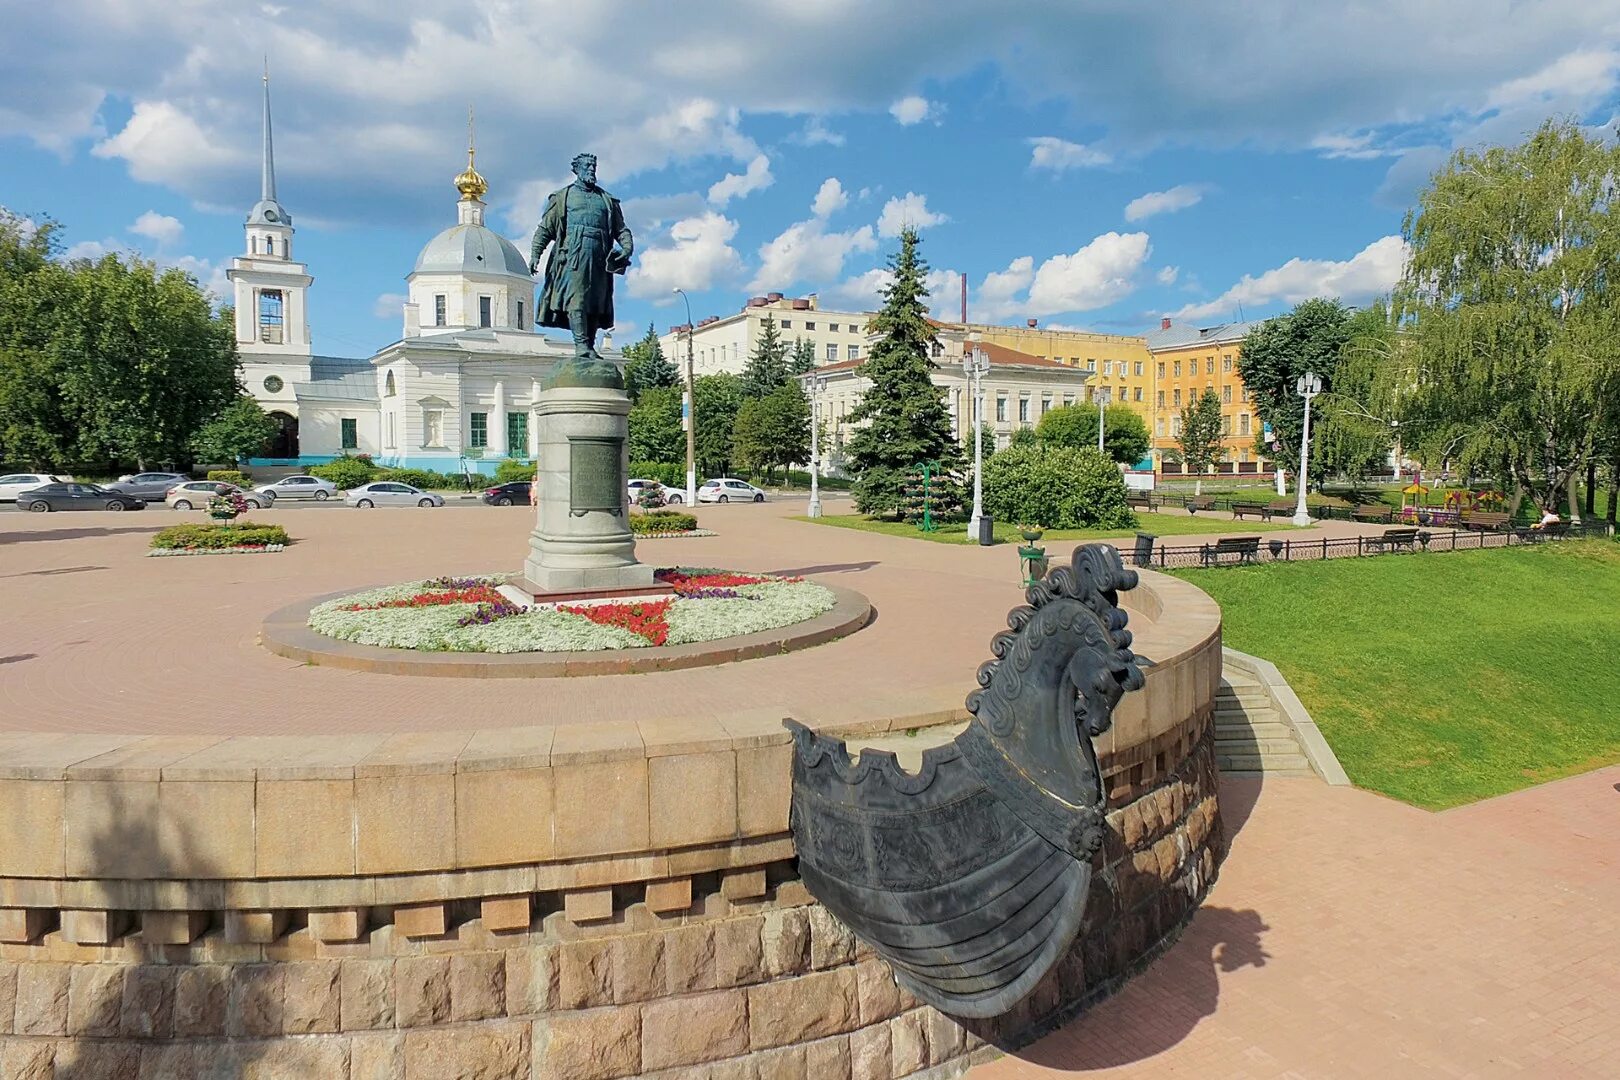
<point x="390" y="493"/>
<point x="672" y="496"/>
<point x="299" y="487"/>
<point x="14" y="484"/>
<point x="194" y="495"/>
<point x="726" y="489"/>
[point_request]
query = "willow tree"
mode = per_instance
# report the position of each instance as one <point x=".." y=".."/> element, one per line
<point x="1511" y="341"/>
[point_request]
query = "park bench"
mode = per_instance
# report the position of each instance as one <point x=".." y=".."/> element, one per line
<point x="1384" y="514"/>
<point x="1556" y="530"/>
<point x="1246" y="509"/>
<point x="1285" y="507"/>
<point x="1393" y="538"/>
<point x="1140" y="501"/>
<point x="1200" y="502"/>
<point x="1483" y="521"/>
<point x="1245" y="549"/>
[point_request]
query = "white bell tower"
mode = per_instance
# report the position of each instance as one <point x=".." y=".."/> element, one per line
<point x="272" y="316"/>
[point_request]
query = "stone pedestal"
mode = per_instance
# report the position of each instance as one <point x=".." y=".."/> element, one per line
<point x="582" y="539"/>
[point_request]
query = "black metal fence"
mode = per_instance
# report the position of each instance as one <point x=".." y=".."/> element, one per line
<point x="1255" y="551"/>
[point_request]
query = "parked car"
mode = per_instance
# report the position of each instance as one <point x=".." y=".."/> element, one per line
<point x="149" y="486"/>
<point x="391" y="493"/>
<point x="194" y="495"/>
<point x="673" y="496"/>
<point x="515" y="493"/>
<point x="14" y="484"/>
<point x="725" y="489"/>
<point x="77" y="497"/>
<point x="299" y="487"/>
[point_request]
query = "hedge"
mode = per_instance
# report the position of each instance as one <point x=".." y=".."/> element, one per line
<point x="346" y="472"/>
<point x="510" y="471"/>
<point x="662" y="521"/>
<point x="227" y="535"/>
<point x="231" y="476"/>
<point x="1055" y="488"/>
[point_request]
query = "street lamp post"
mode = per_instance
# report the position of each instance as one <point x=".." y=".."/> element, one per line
<point x="1395" y="426"/>
<point x="1308" y="386"/>
<point x="690" y="410"/>
<point x="974" y="365"/>
<point x="1102" y="404"/>
<point x="815" y="383"/>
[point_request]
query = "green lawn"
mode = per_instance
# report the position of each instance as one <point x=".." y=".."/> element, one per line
<point x="1441" y="679"/>
<point x="1169" y="523"/>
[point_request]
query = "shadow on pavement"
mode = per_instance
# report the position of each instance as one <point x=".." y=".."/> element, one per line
<point x="833" y="568"/>
<point x="70" y="534"/>
<point x="1237" y="797"/>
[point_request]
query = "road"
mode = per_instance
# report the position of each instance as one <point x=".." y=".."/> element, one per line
<point x="455" y="500"/>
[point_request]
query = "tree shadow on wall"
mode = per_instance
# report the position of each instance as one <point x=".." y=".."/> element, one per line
<point x="1161" y="1006"/>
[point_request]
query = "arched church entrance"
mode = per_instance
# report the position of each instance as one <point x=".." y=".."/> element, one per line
<point x="284" y="443"/>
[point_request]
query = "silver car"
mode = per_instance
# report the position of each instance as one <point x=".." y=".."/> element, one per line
<point x="725" y="489"/>
<point x="390" y="493"/>
<point x="299" y="487"/>
<point x="150" y="486"/>
<point x="194" y="494"/>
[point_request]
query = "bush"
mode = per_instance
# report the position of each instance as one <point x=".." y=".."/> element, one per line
<point x="1056" y="489"/>
<point x="662" y="521"/>
<point x="511" y="472"/>
<point x="346" y="472"/>
<point x="231" y="476"/>
<point x="673" y="475"/>
<point x="234" y="534"/>
<point x="426" y="479"/>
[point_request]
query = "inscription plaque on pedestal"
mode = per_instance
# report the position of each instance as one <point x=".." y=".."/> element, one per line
<point x="595" y="474"/>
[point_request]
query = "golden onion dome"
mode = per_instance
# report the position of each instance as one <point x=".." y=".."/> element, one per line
<point x="471" y="183"/>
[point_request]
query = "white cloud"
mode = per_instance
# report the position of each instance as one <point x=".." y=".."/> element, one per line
<point x="830" y="198"/>
<point x="1368" y="273"/>
<point x="736" y="185"/>
<point x="1163" y="202"/>
<point x="163" y="145"/>
<point x="654" y="211"/>
<point x="863" y="292"/>
<point x="806" y="251"/>
<point x="161" y="228"/>
<point x="1060" y="155"/>
<point x="1167" y="275"/>
<point x="914" y="110"/>
<point x="699" y="256"/>
<point x="997" y="296"/>
<point x="91" y="249"/>
<point x="1358" y="147"/>
<point x="908" y="209"/>
<point x="1584" y="73"/>
<point x="1095" y="276"/>
<point x="389" y="305"/>
<point x="816" y="133"/>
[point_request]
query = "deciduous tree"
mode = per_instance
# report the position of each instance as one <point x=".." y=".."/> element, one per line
<point x="239" y="431"/>
<point x="1200" y="437"/>
<point x="1125" y="433"/>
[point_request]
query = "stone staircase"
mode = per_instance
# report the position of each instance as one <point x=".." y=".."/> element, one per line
<point x="1251" y="737"/>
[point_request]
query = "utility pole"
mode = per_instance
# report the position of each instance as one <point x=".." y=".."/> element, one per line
<point x="689" y="410"/>
<point x="1308" y="386"/>
<point x="815" y="383"/>
<point x="974" y="364"/>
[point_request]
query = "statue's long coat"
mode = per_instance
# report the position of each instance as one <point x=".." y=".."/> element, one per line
<point x="598" y="283"/>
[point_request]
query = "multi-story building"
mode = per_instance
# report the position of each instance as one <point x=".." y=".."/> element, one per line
<point x="722" y="343"/>
<point x="1186" y="361"/>
<point x="1118" y="363"/>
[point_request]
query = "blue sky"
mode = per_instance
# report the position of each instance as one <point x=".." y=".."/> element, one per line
<point x="1092" y="165"/>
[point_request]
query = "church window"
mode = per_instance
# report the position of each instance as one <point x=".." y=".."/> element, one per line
<point x="273" y="384"/>
<point x="832" y="353"/>
<point x="517" y="434"/>
<point x="433" y="427"/>
<point x="270" y="316"/>
<point x="389" y="387"/>
<point x="479" y="434"/>
<point x="391" y="440"/>
<point x="351" y="433"/>
<point x="484" y="314"/>
<point x="438" y="309"/>
<point x="520" y="315"/>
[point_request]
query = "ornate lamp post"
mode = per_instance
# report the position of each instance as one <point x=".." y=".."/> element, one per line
<point x="815" y="383"/>
<point x="690" y="409"/>
<point x="1308" y="386"/>
<point x="974" y="365"/>
<point x="1395" y="426"/>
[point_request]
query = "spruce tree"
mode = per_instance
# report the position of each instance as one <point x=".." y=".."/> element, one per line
<point x="646" y="367"/>
<point x="907" y="422"/>
<point x="802" y="360"/>
<point x="767" y="364"/>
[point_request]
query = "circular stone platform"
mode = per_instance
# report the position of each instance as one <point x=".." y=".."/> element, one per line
<point x="287" y="633"/>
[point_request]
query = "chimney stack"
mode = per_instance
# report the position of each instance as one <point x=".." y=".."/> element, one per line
<point x="964" y="299"/>
<point x="1164" y="323"/>
<point x="1030" y="323"/>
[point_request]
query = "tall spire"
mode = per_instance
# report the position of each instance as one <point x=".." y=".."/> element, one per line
<point x="268" y="186"/>
<point x="471" y="185"/>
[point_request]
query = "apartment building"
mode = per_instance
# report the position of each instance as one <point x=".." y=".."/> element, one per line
<point x="1188" y="360"/>
<point x="722" y="343"/>
<point x="1118" y="363"/>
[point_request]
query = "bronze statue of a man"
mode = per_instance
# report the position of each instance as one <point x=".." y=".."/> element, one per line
<point x="585" y="223"/>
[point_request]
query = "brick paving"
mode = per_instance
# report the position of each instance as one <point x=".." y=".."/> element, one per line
<point x="1353" y="936"/>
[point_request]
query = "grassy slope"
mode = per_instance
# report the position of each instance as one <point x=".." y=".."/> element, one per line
<point x="1447" y="678"/>
<point x="1171" y="523"/>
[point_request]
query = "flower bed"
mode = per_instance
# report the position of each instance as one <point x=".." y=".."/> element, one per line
<point x="469" y="615"/>
<point x="229" y="537"/>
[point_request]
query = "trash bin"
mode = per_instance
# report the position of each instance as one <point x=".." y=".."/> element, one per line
<point x="987" y="535"/>
<point x="1144" y="549"/>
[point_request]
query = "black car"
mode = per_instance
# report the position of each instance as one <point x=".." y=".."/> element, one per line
<point x="514" y="494"/>
<point x="77" y="497"/>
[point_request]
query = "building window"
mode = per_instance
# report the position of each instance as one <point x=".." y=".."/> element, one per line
<point x="270" y="316"/>
<point x="1175" y="425"/>
<point x="1177" y="398"/>
<point x="1226" y="425"/>
<point x="1161" y="399"/>
<point x="938" y="350"/>
<point x="438" y="309"/>
<point x="1226" y="365"/>
<point x="1209" y="366"/>
<point x="1226" y="394"/>
<point x="273" y="384"/>
<point x="433" y="427"/>
<point x="351" y="433"/>
<point x="832" y="353"/>
<point x="854" y="352"/>
<point x="833" y="327"/>
<point x="1161" y="426"/>
<point x="1046" y="405"/>
<point x="1023" y="410"/>
<point x="1137" y="394"/>
<point x="786" y="324"/>
<point x="1001" y="408"/>
<point x="1091" y="365"/>
<point x="1178" y="369"/>
<point x="854" y="328"/>
<point x="1108" y="367"/>
<point x="389" y="386"/>
<point x="809" y="326"/>
<point x="517" y="434"/>
<point x="1137" y="368"/>
<point x="1243" y="423"/>
<point x="1068" y="399"/>
<point x="478" y="436"/>
<point x="484" y="305"/>
<point x="520" y="315"/>
<point x="1161" y="369"/>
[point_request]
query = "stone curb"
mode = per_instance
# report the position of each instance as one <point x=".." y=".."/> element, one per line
<point x="265" y="549"/>
<point x="286" y="633"/>
<point x="1294" y="713"/>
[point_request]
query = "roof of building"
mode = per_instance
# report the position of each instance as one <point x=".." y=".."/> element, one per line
<point x="1000" y="356"/>
<point x="475" y="249"/>
<point x="1180" y="337"/>
<point x="338" y="378"/>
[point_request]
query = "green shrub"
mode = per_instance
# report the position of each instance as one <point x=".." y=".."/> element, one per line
<point x="673" y="475"/>
<point x="233" y="534"/>
<point x="346" y="472"/>
<point x="510" y="472"/>
<point x="662" y="521"/>
<point x="231" y="476"/>
<point x="425" y="479"/>
<point x="1055" y="488"/>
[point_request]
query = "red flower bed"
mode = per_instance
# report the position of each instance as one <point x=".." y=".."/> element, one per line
<point x="477" y="594"/>
<point x="685" y="583"/>
<point x="648" y="620"/>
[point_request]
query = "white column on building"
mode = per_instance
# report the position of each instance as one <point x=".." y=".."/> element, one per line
<point x="497" y="420"/>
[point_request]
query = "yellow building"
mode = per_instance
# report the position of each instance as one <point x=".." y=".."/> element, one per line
<point x="1119" y="363"/>
<point x="1185" y="362"/>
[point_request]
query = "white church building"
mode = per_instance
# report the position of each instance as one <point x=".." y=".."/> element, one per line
<point x="453" y="394"/>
